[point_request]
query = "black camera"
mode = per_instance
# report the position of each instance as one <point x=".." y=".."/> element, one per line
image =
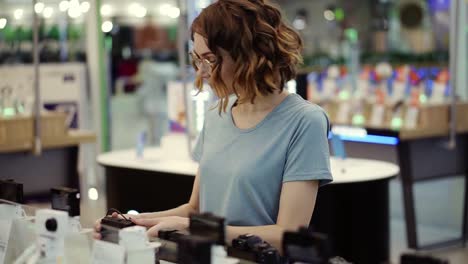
<point x="171" y="235"/>
<point x="194" y="250"/>
<point x="306" y="247"/>
<point x="253" y="248"/>
<point x="209" y="226"/>
<point x="110" y="227"/>
<point x="66" y="199"/>
<point x="11" y="191"/>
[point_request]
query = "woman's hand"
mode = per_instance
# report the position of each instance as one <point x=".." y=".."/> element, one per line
<point x="162" y="223"/>
<point x="97" y="224"/>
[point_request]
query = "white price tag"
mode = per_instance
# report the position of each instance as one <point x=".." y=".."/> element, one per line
<point x="343" y="113"/>
<point x="438" y="93"/>
<point x="398" y="92"/>
<point x="106" y="252"/>
<point x="5" y="227"/>
<point x="329" y="87"/>
<point x="377" y="116"/>
<point x="411" y="118"/>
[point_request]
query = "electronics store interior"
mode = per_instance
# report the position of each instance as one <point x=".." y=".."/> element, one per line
<point x="122" y="124"/>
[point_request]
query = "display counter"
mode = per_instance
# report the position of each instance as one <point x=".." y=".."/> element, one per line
<point x="353" y="210"/>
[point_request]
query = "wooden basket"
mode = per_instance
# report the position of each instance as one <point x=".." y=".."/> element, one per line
<point x="18" y="132"/>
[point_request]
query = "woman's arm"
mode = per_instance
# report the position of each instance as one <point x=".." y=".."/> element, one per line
<point x="297" y="203"/>
<point x="178" y="215"/>
<point x="184" y="210"/>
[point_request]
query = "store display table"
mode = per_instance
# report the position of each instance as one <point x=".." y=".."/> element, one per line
<point x="353" y="210"/>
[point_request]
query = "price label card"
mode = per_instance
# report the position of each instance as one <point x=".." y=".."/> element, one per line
<point x="377" y="116"/>
<point x="329" y="87"/>
<point x="398" y="92"/>
<point x="411" y="118"/>
<point x="106" y="252"/>
<point x="343" y="113"/>
<point x="5" y="227"/>
<point x="438" y="93"/>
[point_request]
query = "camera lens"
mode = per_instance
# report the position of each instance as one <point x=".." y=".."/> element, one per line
<point x="51" y="224"/>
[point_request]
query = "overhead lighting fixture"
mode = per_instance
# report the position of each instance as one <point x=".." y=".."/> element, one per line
<point x="106" y="10"/>
<point x="164" y="8"/>
<point x="74" y="12"/>
<point x="84" y="7"/>
<point x="137" y="10"/>
<point x="107" y="26"/>
<point x="64" y="5"/>
<point x="174" y="12"/>
<point x="329" y="15"/>
<point x="299" y="24"/>
<point x="169" y="10"/>
<point x="39" y="7"/>
<point x="48" y="11"/>
<point x="3" y="22"/>
<point x="18" y="14"/>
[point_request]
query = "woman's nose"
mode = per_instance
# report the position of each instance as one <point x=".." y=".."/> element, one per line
<point x="203" y="74"/>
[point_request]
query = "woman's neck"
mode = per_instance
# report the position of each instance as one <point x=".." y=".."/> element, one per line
<point x="262" y="103"/>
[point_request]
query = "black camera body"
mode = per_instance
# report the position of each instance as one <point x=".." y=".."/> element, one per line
<point x="306" y="247"/>
<point x="209" y="226"/>
<point x="253" y="248"/>
<point x="110" y="227"/>
<point x="66" y="199"/>
<point x="194" y="250"/>
<point x="11" y="191"/>
<point x="172" y="235"/>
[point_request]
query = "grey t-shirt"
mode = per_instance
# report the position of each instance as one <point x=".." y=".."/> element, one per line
<point x="242" y="170"/>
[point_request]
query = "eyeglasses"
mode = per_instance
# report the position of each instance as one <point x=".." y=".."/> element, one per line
<point x="203" y="64"/>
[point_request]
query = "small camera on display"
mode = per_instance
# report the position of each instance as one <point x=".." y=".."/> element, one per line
<point x="51" y="228"/>
<point x="66" y="199"/>
<point x="306" y="247"/>
<point x="209" y="226"/>
<point x="253" y="248"/>
<point x="200" y="244"/>
<point x="171" y="235"/>
<point x="11" y="191"/>
<point x="194" y="250"/>
<point x="110" y="226"/>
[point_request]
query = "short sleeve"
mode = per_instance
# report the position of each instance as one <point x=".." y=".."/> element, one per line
<point x="197" y="150"/>
<point x="308" y="156"/>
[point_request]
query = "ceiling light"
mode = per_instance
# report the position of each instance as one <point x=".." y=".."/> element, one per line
<point x="174" y="12"/>
<point x="84" y="7"/>
<point x="107" y="26"/>
<point x="48" y="11"/>
<point x="39" y="7"/>
<point x="74" y="12"/>
<point x="18" y="14"/>
<point x="64" y="5"/>
<point x="3" y="22"/>
<point x="106" y="10"/>
<point x="137" y="10"/>
<point x="329" y="15"/>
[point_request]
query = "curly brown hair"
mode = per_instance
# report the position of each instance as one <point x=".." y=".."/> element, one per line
<point x="265" y="50"/>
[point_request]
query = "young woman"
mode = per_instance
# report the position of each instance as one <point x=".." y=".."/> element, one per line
<point x="263" y="152"/>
